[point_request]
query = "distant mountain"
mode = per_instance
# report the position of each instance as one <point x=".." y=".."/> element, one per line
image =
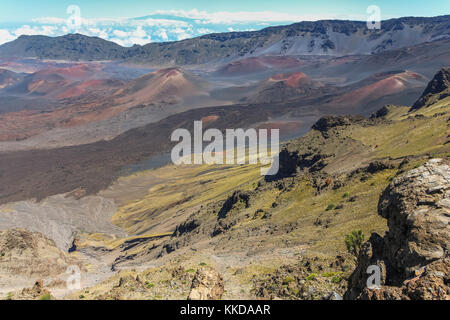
<point x="326" y="37"/>
<point x="72" y="47"/>
<point x="437" y="89"/>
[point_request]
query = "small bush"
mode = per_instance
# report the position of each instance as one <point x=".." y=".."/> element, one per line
<point x="46" y="296"/>
<point x="81" y="296"/>
<point x="331" y="206"/>
<point x="354" y="241"/>
<point x="190" y="270"/>
<point x="202" y="264"/>
<point x="346" y="195"/>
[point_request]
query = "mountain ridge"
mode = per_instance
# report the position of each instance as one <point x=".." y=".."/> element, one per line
<point x="323" y="37"/>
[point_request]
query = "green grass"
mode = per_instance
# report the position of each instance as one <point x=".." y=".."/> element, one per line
<point x="287" y="280"/>
<point x="312" y="276"/>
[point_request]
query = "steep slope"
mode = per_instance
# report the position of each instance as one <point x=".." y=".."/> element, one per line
<point x="332" y="37"/>
<point x="437" y="89"/>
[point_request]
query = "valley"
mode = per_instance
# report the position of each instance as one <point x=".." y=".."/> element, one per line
<point x="86" y="178"/>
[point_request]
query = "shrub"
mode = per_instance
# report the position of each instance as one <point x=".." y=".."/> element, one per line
<point x="202" y="264"/>
<point x="312" y="276"/>
<point x="354" y="241"/>
<point x="346" y="195"/>
<point x="81" y="296"/>
<point x="330" y="274"/>
<point x="287" y="280"/>
<point x="331" y="206"/>
<point x="190" y="270"/>
<point x="46" y="296"/>
<point x="336" y="279"/>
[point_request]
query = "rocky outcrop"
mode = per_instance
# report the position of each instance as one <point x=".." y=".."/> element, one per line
<point x="326" y="123"/>
<point x="38" y="291"/>
<point x="207" y="285"/>
<point x="29" y="256"/>
<point x="437" y="89"/>
<point x="413" y="256"/>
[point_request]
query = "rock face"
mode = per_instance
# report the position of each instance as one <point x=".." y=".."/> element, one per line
<point x="206" y="285"/>
<point x="26" y="257"/>
<point x="414" y="254"/>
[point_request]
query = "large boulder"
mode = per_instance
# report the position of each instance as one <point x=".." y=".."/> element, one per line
<point x="413" y="256"/>
<point x="206" y="285"/>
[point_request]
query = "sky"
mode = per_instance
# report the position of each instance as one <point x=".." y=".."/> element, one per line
<point x="129" y="22"/>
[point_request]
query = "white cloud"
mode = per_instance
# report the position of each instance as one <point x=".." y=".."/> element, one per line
<point x="36" y="30"/>
<point x="137" y="36"/>
<point x="225" y="17"/>
<point x="120" y="33"/>
<point x="162" y="34"/>
<point x="5" y="36"/>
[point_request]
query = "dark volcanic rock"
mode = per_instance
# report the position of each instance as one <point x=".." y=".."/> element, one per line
<point x="326" y="123"/>
<point x="236" y="198"/>
<point x="437" y="89"/>
<point x="414" y="254"/>
<point x="380" y="113"/>
<point x="376" y="166"/>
